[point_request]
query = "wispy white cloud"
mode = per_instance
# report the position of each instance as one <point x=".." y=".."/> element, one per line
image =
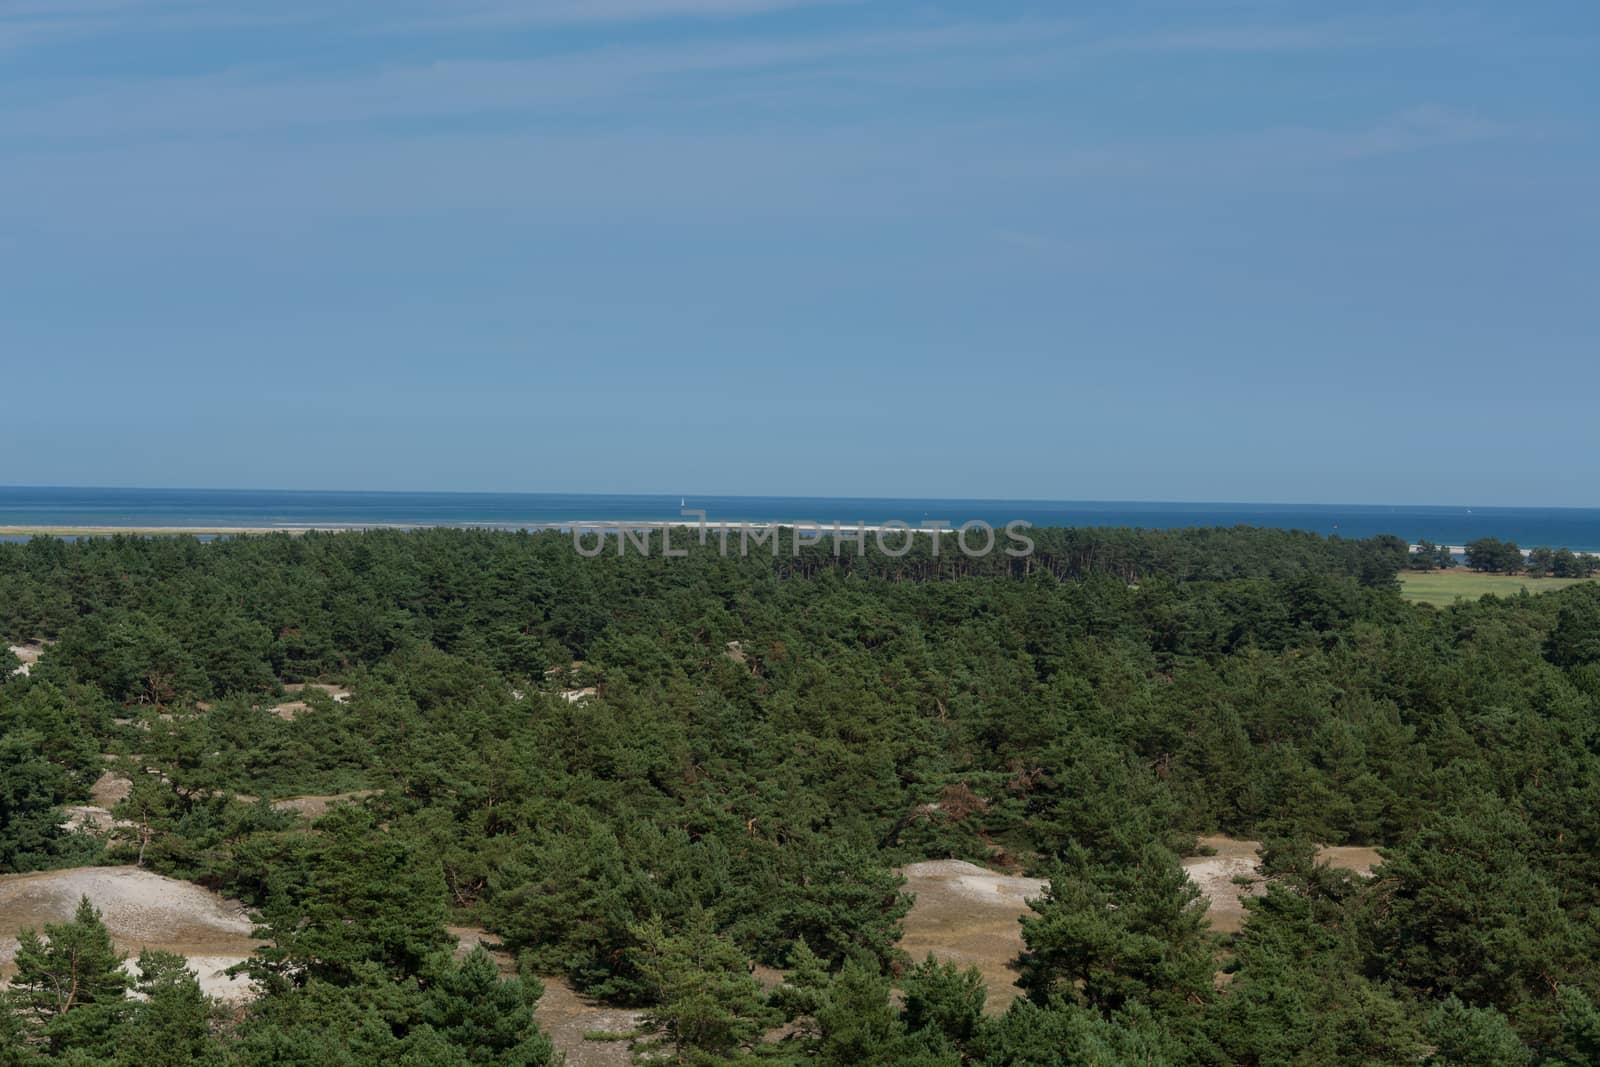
<point x="28" y="22"/>
<point x="1412" y="129"/>
<point x="1240" y="39"/>
<point x="503" y="13"/>
<point x="550" y="86"/>
<point x="953" y="55"/>
<point x="706" y="121"/>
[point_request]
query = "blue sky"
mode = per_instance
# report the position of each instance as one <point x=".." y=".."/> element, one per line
<point x="1238" y="250"/>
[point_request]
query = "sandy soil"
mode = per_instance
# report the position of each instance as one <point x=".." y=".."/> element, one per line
<point x="1357" y="858"/>
<point x="89" y="817"/>
<point x="1215" y="877"/>
<point x="969" y="915"/>
<point x="141" y="910"/>
<point x="566" y="1016"/>
<point x="110" y="789"/>
<point x="338" y="692"/>
<point x="29" y="655"/>
<point x="314" y="807"/>
<point x="153" y="531"/>
<point x="470" y="937"/>
<point x="1237" y="858"/>
<point x="291" y="708"/>
<point x="562" y="1013"/>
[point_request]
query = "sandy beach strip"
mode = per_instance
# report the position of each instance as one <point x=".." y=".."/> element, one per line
<point x="565" y="525"/>
<point x="169" y="531"/>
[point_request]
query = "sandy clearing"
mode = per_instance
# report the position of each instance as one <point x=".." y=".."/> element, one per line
<point x="314" y="807"/>
<point x="1357" y="858"/>
<point x="1238" y="858"/>
<point x="289" y="709"/>
<point x="29" y="655"/>
<point x="1215" y="876"/>
<point x="88" y="817"/>
<point x="470" y="937"/>
<point x="141" y="910"/>
<point x="562" y="1013"/>
<point x="566" y="1016"/>
<point x="968" y="915"/>
<point x="110" y="789"/>
<point x="339" y="693"/>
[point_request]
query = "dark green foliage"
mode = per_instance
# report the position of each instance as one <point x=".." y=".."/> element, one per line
<point x="1070" y="1036"/>
<point x="486" y="1019"/>
<point x="706" y="1004"/>
<point x="171" y="1025"/>
<point x="1560" y="563"/>
<point x="1495" y="556"/>
<point x="349" y="901"/>
<point x="1111" y="937"/>
<point x="1462" y="912"/>
<point x="68" y="991"/>
<point x="47" y="758"/>
<point x="747" y="749"/>
<point x="1473" y="1037"/>
<point x="1297" y="995"/>
<point x="944" y="998"/>
<point x="1427" y="556"/>
<point x="856" y="1025"/>
<point x="1575" y="640"/>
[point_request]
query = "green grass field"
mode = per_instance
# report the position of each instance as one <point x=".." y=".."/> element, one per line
<point x="1441" y="588"/>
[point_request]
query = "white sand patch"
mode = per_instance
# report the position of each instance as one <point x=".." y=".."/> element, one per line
<point x="289" y="709"/>
<point x="28" y="654"/>
<point x="968" y="915"/>
<point x="1215" y="876"/>
<point x="339" y="693"/>
<point x="88" y="817"/>
<point x="976" y="883"/>
<point x="1359" y="859"/>
<point x="566" y="1015"/>
<point x="314" y="807"/>
<point x="137" y="905"/>
<point x="141" y="910"/>
<point x="214" y="979"/>
<point x="109" y="790"/>
<point x="1236" y="858"/>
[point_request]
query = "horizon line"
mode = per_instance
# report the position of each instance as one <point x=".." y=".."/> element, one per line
<point x="799" y="496"/>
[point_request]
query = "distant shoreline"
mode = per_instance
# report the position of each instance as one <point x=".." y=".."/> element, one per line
<point x="163" y="531"/>
<point x="65" y="512"/>
<point x="587" y="525"/>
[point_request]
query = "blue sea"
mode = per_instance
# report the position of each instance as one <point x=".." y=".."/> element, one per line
<point x="1575" y="528"/>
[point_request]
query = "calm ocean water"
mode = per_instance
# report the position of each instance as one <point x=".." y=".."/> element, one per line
<point x="1576" y="528"/>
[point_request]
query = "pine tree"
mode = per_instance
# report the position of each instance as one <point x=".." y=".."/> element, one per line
<point x="1106" y="937"/>
<point x="69" y="987"/>
<point x="944" y="998"/>
<point x="707" y="1002"/>
<point x="487" y="1019"/>
<point x="171" y="1027"/>
<point x="1473" y="1037"/>
<point x="359" y="896"/>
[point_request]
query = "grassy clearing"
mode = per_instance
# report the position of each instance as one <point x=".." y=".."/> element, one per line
<point x="1442" y="588"/>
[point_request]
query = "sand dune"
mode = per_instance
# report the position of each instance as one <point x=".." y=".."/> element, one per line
<point x="141" y="910"/>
